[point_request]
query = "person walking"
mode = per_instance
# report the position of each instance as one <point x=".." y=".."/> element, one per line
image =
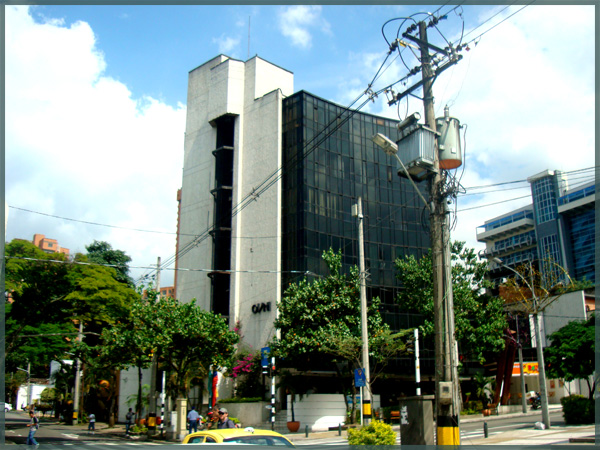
<point x="224" y="420"/>
<point x="92" y="423"/>
<point x="128" y="420"/>
<point x="34" y="425"/>
<point x="193" y="417"/>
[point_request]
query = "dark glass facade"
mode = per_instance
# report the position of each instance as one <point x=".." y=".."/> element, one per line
<point x="328" y="163"/>
<point x="221" y="233"/>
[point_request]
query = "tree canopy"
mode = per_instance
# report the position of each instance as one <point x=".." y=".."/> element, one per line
<point x="479" y="318"/>
<point x="320" y="322"/>
<point x="101" y="252"/>
<point x="570" y="356"/>
<point x="186" y="338"/>
<point x="49" y="294"/>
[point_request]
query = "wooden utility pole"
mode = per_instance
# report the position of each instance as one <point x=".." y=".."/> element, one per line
<point x="447" y="423"/>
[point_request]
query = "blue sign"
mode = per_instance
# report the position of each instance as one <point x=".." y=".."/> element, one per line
<point x="264" y="356"/>
<point x="360" y="379"/>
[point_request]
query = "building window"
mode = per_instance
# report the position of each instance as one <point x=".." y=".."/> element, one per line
<point x="544" y="200"/>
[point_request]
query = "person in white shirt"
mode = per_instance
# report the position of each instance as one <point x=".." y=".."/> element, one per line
<point x="92" y="424"/>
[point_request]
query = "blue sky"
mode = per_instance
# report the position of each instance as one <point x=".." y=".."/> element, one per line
<point x="96" y="99"/>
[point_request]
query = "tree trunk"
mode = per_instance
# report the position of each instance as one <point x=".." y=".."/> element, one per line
<point x="138" y="406"/>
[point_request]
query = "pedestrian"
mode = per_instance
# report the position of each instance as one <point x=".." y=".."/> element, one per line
<point x="224" y="420"/>
<point x="193" y="417"/>
<point x="212" y="418"/>
<point x="128" y="420"/>
<point x="92" y="423"/>
<point x="34" y="425"/>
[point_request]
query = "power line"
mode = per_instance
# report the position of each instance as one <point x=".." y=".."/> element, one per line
<point x="495" y="203"/>
<point x="92" y="223"/>
<point x="58" y="261"/>
<point x="503" y="20"/>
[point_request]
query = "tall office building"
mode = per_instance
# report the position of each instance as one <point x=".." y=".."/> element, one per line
<point x="269" y="180"/>
<point x="559" y="226"/>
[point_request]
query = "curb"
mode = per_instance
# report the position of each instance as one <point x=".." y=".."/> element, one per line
<point x="583" y="440"/>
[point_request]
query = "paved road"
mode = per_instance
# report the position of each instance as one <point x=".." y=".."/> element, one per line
<point x="52" y="434"/>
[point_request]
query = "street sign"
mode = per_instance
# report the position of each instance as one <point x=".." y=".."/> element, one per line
<point x="264" y="356"/>
<point x="360" y="379"/>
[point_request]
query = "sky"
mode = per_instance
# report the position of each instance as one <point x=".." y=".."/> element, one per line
<point x="96" y="103"/>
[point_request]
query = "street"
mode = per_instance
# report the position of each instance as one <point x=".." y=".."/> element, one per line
<point x="53" y="435"/>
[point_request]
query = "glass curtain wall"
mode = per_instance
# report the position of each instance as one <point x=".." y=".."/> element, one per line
<point x="329" y="161"/>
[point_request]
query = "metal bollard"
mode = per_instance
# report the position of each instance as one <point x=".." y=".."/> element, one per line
<point x="339" y="429"/>
<point x="485" y="430"/>
<point x="306" y="430"/>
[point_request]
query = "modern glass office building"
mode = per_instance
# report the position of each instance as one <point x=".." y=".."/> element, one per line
<point x="559" y="226"/>
<point x="329" y="161"/>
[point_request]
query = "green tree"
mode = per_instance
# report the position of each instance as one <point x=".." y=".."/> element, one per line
<point x="571" y="353"/>
<point x="51" y="294"/>
<point x="101" y="252"/>
<point x="38" y="288"/>
<point x="320" y="321"/>
<point x="479" y="318"/>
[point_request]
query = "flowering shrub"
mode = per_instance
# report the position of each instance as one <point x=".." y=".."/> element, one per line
<point x="243" y="366"/>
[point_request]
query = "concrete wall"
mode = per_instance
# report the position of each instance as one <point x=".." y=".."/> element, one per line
<point x="249" y="414"/>
<point x="36" y="393"/>
<point x="128" y="386"/>
<point x="321" y="411"/>
<point x="565" y="309"/>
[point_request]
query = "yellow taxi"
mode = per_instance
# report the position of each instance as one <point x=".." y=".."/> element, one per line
<point x="236" y="436"/>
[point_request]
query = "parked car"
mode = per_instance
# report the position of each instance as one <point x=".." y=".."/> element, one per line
<point x="238" y="436"/>
<point x="7" y="407"/>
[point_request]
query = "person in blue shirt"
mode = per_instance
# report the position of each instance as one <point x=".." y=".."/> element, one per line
<point x="193" y="419"/>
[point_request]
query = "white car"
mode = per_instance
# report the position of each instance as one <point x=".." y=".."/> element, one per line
<point x="7" y="407"/>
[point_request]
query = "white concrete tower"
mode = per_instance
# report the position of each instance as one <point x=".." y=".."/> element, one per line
<point x="232" y="145"/>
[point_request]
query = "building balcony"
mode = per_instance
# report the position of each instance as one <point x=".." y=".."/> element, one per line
<point x="570" y="204"/>
<point x="519" y="244"/>
<point x="503" y="231"/>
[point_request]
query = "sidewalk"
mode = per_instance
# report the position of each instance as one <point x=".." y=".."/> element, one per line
<point x="563" y="435"/>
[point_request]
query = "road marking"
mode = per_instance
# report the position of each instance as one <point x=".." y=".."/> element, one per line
<point x="71" y="436"/>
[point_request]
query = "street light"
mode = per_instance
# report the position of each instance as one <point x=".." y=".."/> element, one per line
<point x="540" y="351"/>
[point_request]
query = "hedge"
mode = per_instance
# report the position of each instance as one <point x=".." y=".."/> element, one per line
<point x="577" y="409"/>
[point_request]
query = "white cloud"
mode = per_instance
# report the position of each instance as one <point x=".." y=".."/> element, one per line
<point x="226" y="44"/>
<point x="79" y="146"/>
<point x="296" y="23"/>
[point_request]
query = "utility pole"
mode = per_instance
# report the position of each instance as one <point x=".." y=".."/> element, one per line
<point x="447" y="422"/>
<point x="366" y="401"/>
<point x="77" y="379"/>
<point x="153" y="370"/>
<point x="28" y="384"/>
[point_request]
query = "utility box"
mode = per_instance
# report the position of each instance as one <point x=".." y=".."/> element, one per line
<point x="416" y="151"/>
<point x="416" y="420"/>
